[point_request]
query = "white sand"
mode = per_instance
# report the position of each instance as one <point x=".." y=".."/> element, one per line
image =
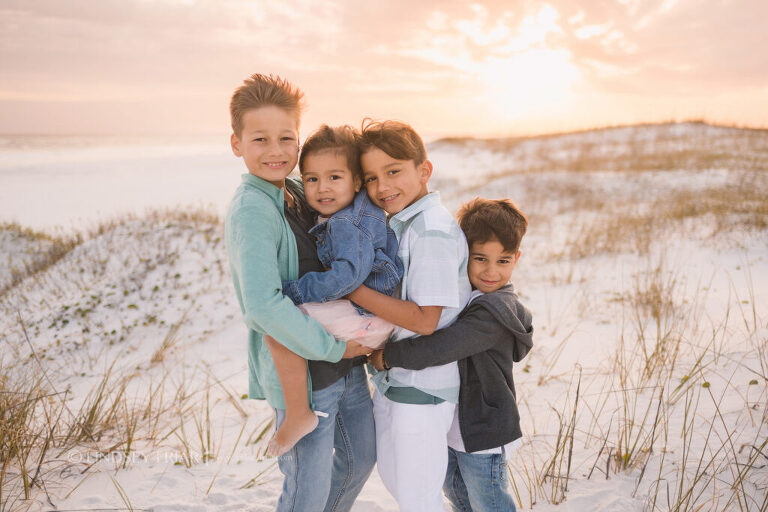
<point x="113" y="300"/>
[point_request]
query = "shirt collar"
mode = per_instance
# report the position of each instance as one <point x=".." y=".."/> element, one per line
<point x="407" y="213"/>
<point x="276" y="194"/>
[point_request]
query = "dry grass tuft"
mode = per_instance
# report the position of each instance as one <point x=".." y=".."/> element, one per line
<point x="53" y="249"/>
<point x="740" y="205"/>
<point x="25" y="440"/>
<point x="637" y="148"/>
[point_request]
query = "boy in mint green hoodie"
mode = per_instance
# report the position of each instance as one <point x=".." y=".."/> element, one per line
<point x="263" y="223"/>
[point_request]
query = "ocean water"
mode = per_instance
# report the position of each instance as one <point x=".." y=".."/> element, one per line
<point x="71" y="182"/>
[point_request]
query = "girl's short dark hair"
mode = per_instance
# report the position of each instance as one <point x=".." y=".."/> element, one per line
<point x="341" y="139"/>
<point x="483" y="220"/>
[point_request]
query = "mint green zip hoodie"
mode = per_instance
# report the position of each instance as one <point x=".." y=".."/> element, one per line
<point x="262" y="254"/>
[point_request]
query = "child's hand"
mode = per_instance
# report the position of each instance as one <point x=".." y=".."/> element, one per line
<point x="354" y="350"/>
<point x="377" y="360"/>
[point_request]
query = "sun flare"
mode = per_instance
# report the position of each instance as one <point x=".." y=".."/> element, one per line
<point x="528" y="82"/>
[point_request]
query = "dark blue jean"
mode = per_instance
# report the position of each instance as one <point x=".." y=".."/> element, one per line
<point x="477" y="482"/>
<point x="327" y="468"/>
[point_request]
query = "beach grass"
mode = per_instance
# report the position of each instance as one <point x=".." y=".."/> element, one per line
<point x="648" y="376"/>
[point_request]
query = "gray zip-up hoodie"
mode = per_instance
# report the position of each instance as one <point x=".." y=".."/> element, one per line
<point x="492" y="332"/>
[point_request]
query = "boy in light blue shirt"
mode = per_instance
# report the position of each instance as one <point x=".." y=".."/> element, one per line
<point x="414" y="409"/>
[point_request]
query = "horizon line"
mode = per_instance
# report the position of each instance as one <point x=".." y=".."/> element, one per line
<point x="433" y="138"/>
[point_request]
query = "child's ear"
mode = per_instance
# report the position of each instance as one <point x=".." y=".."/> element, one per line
<point x="358" y="183"/>
<point x="234" y="141"/>
<point x="425" y="170"/>
<point x="517" y="256"/>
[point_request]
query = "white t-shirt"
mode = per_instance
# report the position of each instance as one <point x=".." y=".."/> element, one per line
<point x="455" y="441"/>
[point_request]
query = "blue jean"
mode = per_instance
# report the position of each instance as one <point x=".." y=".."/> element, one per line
<point x="326" y="469"/>
<point x="477" y="482"/>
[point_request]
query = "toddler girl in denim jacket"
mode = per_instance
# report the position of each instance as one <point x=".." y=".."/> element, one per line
<point x="356" y="247"/>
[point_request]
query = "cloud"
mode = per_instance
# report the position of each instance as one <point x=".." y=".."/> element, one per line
<point x="678" y="46"/>
<point x="128" y="48"/>
<point x="443" y="62"/>
<point x="623" y="46"/>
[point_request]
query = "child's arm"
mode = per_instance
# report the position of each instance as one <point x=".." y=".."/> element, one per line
<point x="253" y="257"/>
<point x="467" y="336"/>
<point x="431" y="285"/>
<point x="353" y="259"/>
<point x="404" y="313"/>
<point x="461" y="339"/>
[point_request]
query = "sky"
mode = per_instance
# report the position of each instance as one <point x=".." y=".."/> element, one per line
<point x="448" y="67"/>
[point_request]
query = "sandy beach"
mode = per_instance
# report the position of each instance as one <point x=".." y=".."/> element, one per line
<point x="124" y="356"/>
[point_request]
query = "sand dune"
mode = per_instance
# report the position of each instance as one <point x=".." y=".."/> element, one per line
<point x="124" y="356"/>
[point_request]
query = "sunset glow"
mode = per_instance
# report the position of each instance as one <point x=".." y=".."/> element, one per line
<point x="487" y="68"/>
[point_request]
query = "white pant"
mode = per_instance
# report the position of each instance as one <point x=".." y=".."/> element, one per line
<point x="412" y="451"/>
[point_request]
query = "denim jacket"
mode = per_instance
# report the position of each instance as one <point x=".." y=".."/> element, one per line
<point x="357" y="247"/>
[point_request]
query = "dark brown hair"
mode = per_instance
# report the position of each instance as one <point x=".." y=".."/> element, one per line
<point x="397" y="139"/>
<point x="483" y="220"/>
<point x="341" y="139"/>
<point x="261" y="91"/>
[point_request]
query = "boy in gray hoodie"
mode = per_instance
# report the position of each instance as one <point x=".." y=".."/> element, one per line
<point x="492" y="332"/>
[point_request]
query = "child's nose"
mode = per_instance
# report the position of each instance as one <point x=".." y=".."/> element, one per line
<point x="274" y="147"/>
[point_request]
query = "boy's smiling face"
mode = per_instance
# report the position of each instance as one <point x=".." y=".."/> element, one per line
<point x="394" y="184"/>
<point x="490" y="265"/>
<point x="329" y="185"/>
<point x="268" y="143"/>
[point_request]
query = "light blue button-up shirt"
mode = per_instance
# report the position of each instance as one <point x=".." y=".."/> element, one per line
<point x="435" y="254"/>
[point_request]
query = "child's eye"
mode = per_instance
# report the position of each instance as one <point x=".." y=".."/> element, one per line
<point x="503" y="262"/>
<point x="478" y="258"/>
<point x="335" y="177"/>
<point x="287" y="138"/>
<point x="393" y="171"/>
<point x="259" y="139"/>
<point x="369" y="179"/>
<point x="310" y="180"/>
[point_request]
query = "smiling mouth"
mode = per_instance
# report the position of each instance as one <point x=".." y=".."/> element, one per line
<point x="275" y="165"/>
<point x="325" y="201"/>
<point x="389" y="199"/>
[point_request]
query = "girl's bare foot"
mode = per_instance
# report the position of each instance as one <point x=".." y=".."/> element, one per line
<point x="291" y="430"/>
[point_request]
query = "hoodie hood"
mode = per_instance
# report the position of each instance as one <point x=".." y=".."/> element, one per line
<point x="506" y="308"/>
